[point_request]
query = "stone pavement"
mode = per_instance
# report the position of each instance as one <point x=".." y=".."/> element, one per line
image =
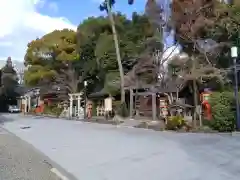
<point x="105" y="152"/>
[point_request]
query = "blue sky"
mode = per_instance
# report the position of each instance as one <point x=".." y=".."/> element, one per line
<point x="75" y="10"/>
<point x="29" y="19"/>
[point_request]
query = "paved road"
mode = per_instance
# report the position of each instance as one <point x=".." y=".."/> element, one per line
<point x="104" y="152"/>
<point x="19" y="161"/>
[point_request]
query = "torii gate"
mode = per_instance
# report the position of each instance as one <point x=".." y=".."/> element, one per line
<point x="79" y="110"/>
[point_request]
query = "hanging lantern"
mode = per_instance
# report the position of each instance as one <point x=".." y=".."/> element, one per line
<point x="205" y="96"/>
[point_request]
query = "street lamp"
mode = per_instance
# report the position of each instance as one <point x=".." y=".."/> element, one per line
<point x="85" y="98"/>
<point x="234" y="55"/>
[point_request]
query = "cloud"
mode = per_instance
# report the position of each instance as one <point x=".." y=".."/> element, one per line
<point x="21" y="22"/>
<point x="5" y="43"/>
<point x="170" y="52"/>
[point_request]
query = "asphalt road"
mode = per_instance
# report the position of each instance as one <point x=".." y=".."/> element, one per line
<point x="104" y="152"/>
<point x="20" y="161"/>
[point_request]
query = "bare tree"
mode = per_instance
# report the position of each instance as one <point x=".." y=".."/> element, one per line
<point x="69" y="78"/>
<point x="190" y="20"/>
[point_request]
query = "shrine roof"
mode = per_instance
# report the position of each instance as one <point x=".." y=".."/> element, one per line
<point x="179" y="104"/>
<point x="101" y="93"/>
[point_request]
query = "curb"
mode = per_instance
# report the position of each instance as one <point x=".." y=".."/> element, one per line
<point x="234" y="134"/>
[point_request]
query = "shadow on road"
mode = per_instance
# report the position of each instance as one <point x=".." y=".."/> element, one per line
<point x="4" y="119"/>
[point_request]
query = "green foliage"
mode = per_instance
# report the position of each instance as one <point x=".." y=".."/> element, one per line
<point x="36" y="73"/>
<point x="57" y="111"/>
<point x="105" y="52"/>
<point x="116" y="104"/>
<point x="9" y="81"/>
<point x="223" y="113"/>
<point x="32" y="111"/>
<point x="225" y="98"/>
<point x="226" y="26"/>
<point x="123" y="110"/>
<point x="91" y="49"/>
<point x="111" y="85"/>
<point x="52" y="110"/>
<point x="47" y="56"/>
<point x="47" y="109"/>
<point x="223" y="119"/>
<point x="175" y="123"/>
<point x="225" y="29"/>
<point x="94" y="108"/>
<point x="96" y="46"/>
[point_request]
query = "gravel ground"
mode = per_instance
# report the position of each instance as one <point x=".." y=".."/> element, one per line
<point x="19" y="161"/>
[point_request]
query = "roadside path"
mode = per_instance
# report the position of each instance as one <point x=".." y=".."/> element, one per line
<point x="19" y="161"/>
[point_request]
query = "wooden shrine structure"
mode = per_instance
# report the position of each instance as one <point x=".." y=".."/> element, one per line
<point x="149" y="95"/>
<point x="162" y="98"/>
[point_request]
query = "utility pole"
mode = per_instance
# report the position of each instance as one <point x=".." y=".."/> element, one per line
<point x="85" y="99"/>
<point x="234" y="54"/>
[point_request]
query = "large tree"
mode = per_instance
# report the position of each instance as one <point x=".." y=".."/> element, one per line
<point x="97" y="48"/>
<point x="9" y="85"/>
<point x="205" y="29"/>
<point x="90" y="53"/>
<point x="50" y="59"/>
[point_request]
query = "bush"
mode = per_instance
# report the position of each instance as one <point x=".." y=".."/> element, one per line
<point x="223" y="118"/>
<point x="47" y="109"/>
<point x="223" y="111"/>
<point x="175" y="123"/>
<point x="94" y="108"/>
<point x="32" y="111"/>
<point x="116" y="105"/>
<point x="123" y="110"/>
<point x="224" y="98"/>
<point x="53" y="110"/>
<point x="56" y="111"/>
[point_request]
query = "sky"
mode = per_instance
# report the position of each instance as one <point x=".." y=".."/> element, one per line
<point x="24" y="20"/>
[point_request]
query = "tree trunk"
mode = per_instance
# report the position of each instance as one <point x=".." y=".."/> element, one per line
<point x="195" y="103"/>
<point x="115" y="38"/>
<point x="195" y="98"/>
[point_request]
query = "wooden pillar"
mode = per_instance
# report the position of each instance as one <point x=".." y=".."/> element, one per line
<point x="137" y="103"/>
<point x="29" y="103"/>
<point x="78" y="105"/>
<point x="25" y="104"/>
<point x="131" y="103"/>
<point x="154" y="107"/>
<point x="71" y="106"/>
<point x="39" y="101"/>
